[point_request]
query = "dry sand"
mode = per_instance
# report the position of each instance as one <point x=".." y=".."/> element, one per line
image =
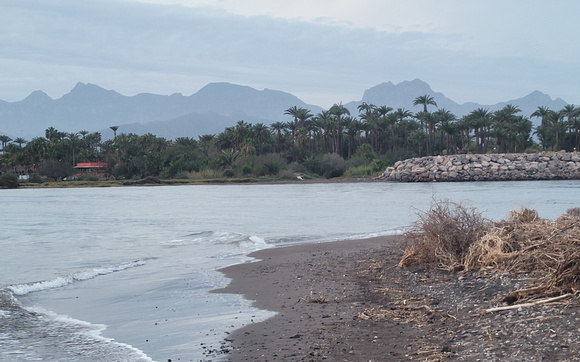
<point x="347" y="301"/>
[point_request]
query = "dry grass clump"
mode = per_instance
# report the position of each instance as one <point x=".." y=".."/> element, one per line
<point x="523" y="243"/>
<point x="312" y="298"/>
<point x="442" y="236"/>
<point x="574" y="212"/>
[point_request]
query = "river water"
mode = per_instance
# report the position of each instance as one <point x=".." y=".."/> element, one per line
<point x="124" y="274"/>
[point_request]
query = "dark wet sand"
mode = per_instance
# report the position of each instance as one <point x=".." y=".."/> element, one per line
<point x="318" y="291"/>
<point x="347" y="301"/>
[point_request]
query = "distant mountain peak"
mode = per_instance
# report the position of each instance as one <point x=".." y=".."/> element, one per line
<point x="87" y="91"/>
<point x="538" y="95"/>
<point x="402" y="93"/>
<point x="37" y="96"/>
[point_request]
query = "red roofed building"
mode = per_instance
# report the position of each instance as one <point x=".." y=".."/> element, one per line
<point x="91" y="165"/>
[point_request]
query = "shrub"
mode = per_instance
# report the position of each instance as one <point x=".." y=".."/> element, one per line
<point x="149" y="180"/>
<point x="35" y="179"/>
<point x="360" y="171"/>
<point x="286" y="174"/>
<point x="443" y="235"/>
<point x="9" y="180"/>
<point x="228" y="172"/>
<point x="357" y="161"/>
<point x="329" y="165"/>
<point x="56" y="170"/>
<point x="365" y="151"/>
<point x="312" y="164"/>
<point x="247" y="170"/>
<point x="534" y="148"/>
<point x="271" y="168"/>
<point x="203" y="174"/>
<point x="182" y="175"/>
<point x="89" y="177"/>
<point x="296" y="167"/>
<point x="332" y="165"/>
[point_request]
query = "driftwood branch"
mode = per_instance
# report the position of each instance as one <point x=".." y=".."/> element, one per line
<point x="531" y="304"/>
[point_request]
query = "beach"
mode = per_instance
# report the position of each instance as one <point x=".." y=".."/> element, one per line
<point x="347" y="301"/>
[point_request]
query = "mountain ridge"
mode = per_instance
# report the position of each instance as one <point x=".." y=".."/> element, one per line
<point x="215" y="106"/>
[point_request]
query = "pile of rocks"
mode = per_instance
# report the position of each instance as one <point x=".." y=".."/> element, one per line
<point x="486" y="167"/>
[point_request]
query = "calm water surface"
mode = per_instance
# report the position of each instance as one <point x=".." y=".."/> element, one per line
<point x="124" y="273"/>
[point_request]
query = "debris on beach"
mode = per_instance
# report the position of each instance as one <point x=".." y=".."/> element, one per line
<point x="453" y="237"/>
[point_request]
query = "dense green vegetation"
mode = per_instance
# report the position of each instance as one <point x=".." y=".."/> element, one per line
<point x="329" y="144"/>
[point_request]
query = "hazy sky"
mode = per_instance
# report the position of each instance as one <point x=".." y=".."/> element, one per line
<point x="323" y="51"/>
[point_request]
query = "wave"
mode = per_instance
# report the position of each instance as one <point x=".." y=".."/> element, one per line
<point x="92" y="335"/>
<point x="212" y="238"/>
<point x="8" y="301"/>
<point x="49" y="336"/>
<point x="23" y="289"/>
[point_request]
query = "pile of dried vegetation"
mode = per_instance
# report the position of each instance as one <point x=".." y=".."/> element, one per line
<point x="453" y="237"/>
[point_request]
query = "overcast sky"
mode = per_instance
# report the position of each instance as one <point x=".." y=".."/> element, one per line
<point x="323" y="51"/>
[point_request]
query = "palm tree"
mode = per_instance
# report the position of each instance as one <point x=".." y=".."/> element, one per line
<point x="4" y="140"/>
<point x="449" y="129"/>
<point x="479" y="120"/>
<point x="37" y="150"/>
<point x="206" y="142"/>
<point x="504" y="126"/>
<point x="391" y="120"/>
<point x="555" y="121"/>
<point x="114" y="128"/>
<point x="20" y="141"/>
<point x="53" y="135"/>
<point x="425" y="100"/>
<point x="298" y="113"/>
<point x="445" y="119"/>
<point x="352" y="126"/>
<point x="338" y="110"/>
<point x="429" y="121"/>
<point x="74" y="142"/>
<point x="523" y="129"/>
<point x="571" y="113"/>
<point x="326" y="122"/>
<point x="542" y="113"/>
<point x="228" y="157"/>
<point x="542" y="130"/>
<point x="382" y="113"/>
<point x="365" y="109"/>
<point x="278" y="127"/>
<point x="261" y="131"/>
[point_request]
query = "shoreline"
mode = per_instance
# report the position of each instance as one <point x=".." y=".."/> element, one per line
<point x="192" y="182"/>
<point x="315" y="294"/>
<point x="347" y="301"/>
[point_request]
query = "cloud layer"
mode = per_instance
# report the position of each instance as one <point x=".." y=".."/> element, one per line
<point x="321" y="51"/>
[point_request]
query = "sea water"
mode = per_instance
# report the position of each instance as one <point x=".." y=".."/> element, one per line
<point x="124" y="274"/>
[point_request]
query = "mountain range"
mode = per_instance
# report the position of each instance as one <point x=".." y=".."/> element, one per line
<point x="210" y="110"/>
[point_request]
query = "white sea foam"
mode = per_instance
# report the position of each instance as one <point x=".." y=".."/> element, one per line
<point x="23" y="289"/>
<point x="4" y="313"/>
<point x="258" y="240"/>
<point x="93" y="332"/>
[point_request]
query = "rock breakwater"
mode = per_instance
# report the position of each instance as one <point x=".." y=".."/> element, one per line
<point x="486" y="167"/>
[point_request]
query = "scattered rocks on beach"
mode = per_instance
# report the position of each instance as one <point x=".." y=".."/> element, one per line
<point x="486" y="167"/>
<point x="349" y="302"/>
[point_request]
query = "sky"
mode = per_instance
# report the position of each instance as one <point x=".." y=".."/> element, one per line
<point x="322" y="51"/>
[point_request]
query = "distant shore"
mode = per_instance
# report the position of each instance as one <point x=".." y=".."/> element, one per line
<point x="245" y="181"/>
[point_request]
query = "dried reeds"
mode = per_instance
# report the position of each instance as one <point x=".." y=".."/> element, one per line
<point x="442" y="236"/>
<point x="456" y="238"/>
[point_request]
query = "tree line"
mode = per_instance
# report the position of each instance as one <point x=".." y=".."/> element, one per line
<point x="330" y="143"/>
